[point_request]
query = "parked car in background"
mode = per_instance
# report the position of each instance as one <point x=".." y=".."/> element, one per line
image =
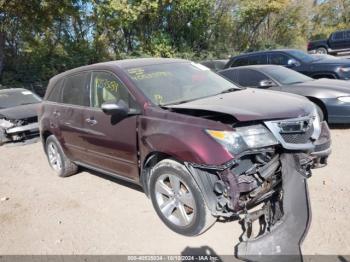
<point x="201" y="148"/>
<point x="215" y="65"/>
<point x="337" y="42"/>
<point x="18" y="115"/>
<point x="315" y="67"/>
<point x="331" y="97"/>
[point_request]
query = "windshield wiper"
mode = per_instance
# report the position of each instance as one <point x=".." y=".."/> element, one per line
<point x="296" y="82"/>
<point x="230" y="90"/>
<point x="177" y="103"/>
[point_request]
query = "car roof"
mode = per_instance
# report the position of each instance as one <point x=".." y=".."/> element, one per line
<point x="123" y="64"/>
<point x="264" y="51"/>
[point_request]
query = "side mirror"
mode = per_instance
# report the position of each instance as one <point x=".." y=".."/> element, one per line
<point x="266" y="83"/>
<point x="119" y="109"/>
<point x="292" y="63"/>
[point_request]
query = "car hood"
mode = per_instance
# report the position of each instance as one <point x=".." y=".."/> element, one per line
<point x="332" y="61"/>
<point x="329" y="85"/>
<point x="19" y="112"/>
<point x="253" y="104"/>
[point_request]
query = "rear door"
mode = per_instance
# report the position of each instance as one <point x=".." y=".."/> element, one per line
<point x="70" y="114"/>
<point x="111" y="143"/>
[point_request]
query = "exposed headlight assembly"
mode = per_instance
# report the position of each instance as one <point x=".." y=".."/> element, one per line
<point x="244" y="138"/>
<point x="344" y="99"/>
<point x="5" y="124"/>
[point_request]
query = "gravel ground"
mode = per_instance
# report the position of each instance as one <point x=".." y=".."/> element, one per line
<point x="41" y="213"/>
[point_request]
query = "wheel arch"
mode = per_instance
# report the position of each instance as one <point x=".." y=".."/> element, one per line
<point x="148" y="163"/>
<point x="325" y="75"/>
<point x="320" y="103"/>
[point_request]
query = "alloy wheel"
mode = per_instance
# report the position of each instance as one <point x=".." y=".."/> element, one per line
<point x="54" y="157"/>
<point x="175" y="200"/>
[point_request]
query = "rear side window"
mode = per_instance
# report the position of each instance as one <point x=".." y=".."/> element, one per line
<point x="55" y="94"/>
<point x="338" y="36"/>
<point x="260" y="59"/>
<point x="250" y="78"/>
<point x="76" y="90"/>
<point x="240" y="62"/>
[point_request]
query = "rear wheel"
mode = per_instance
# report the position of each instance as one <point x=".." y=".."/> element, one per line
<point x="177" y="199"/>
<point x="321" y="50"/>
<point x="57" y="159"/>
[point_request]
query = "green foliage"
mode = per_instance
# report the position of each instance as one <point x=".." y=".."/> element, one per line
<point x="41" y="38"/>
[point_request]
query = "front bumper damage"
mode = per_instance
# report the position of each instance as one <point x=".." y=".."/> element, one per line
<point x="279" y="240"/>
<point x="17" y="130"/>
<point x="266" y="191"/>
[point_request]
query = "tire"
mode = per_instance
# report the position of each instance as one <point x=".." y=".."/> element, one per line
<point x="57" y="159"/>
<point x="321" y="50"/>
<point x="178" y="200"/>
<point x="319" y="112"/>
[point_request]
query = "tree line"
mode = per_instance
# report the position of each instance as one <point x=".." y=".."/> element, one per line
<point x="40" y="38"/>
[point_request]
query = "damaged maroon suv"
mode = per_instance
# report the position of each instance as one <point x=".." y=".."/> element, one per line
<point x="203" y="149"/>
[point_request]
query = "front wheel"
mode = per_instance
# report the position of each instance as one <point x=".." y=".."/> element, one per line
<point x="177" y="199"/>
<point x="57" y="159"/>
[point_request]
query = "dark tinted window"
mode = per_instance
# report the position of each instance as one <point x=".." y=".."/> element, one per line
<point x="279" y="59"/>
<point x="55" y="94"/>
<point x="75" y="90"/>
<point x="338" y="36"/>
<point x="347" y="35"/>
<point x="250" y="78"/>
<point x="106" y="87"/>
<point x="240" y="62"/>
<point x="230" y="75"/>
<point x="259" y="59"/>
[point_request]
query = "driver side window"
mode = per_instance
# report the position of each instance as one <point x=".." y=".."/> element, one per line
<point x="106" y="87"/>
<point x="250" y="78"/>
<point x="279" y="59"/>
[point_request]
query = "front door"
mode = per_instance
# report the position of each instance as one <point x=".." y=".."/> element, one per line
<point x="111" y="143"/>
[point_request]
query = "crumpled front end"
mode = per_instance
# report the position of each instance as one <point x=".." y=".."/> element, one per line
<point x="266" y="189"/>
<point x="18" y="130"/>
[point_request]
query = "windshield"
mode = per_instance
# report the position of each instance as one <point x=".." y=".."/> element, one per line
<point x="306" y="58"/>
<point x="16" y="98"/>
<point x="174" y="83"/>
<point x="286" y="76"/>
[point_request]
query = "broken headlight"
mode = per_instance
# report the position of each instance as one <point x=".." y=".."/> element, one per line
<point x="244" y="138"/>
<point x="5" y="124"/>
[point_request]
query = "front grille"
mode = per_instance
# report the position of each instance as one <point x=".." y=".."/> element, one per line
<point x="298" y="138"/>
<point x="27" y="121"/>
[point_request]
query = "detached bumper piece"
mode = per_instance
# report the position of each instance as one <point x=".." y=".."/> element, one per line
<point x="283" y="220"/>
<point x="322" y="147"/>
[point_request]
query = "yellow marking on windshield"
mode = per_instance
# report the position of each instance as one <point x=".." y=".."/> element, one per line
<point x="139" y="74"/>
<point x="107" y="84"/>
<point x="159" y="99"/>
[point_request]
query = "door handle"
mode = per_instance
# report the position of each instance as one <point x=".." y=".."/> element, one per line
<point x="56" y="113"/>
<point x="91" y="121"/>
